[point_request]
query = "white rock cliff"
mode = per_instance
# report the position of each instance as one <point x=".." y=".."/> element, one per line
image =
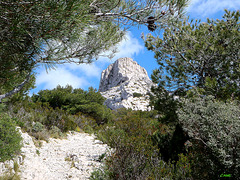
<point x="125" y="84"/>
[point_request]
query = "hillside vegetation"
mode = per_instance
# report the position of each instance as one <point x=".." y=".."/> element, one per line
<point x="194" y="131"/>
<point x="146" y="145"/>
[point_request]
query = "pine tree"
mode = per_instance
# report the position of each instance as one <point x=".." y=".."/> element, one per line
<point x="204" y="55"/>
<point x="61" y="31"/>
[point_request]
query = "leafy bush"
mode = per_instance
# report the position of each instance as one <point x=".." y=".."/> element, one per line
<point x="134" y="155"/>
<point x="42" y="121"/>
<point x="170" y="140"/>
<point x="39" y="131"/>
<point x="59" y="118"/>
<point x="56" y="132"/>
<point x="131" y="144"/>
<point x="75" y="101"/>
<point x="10" y="138"/>
<point x="214" y="128"/>
<point x="169" y="135"/>
<point x="64" y="108"/>
<point x="37" y="127"/>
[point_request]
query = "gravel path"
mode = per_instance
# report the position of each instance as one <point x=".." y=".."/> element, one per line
<point x="72" y="158"/>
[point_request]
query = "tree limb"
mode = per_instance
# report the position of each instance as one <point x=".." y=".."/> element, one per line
<point x="16" y="89"/>
<point x="118" y="14"/>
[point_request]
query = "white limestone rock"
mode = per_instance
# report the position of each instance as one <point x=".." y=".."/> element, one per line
<point x="126" y="84"/>
<point x="72" y="158"/>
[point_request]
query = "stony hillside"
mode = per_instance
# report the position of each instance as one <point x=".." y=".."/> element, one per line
<point x="72" y="158"/>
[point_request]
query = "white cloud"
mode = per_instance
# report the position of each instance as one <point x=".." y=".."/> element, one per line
<point x="206" y="8"/>
<point x="128" y="47"/>
<point x="81" y="76"/>
<point x="90" y="70"/>
<point x="61" y="77"/>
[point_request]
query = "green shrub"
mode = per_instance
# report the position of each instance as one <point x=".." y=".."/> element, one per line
<point x="100" y="174"/>
<point x="37" y="127"/>
<point x="214" y="128"/>
<point x="2" y="107"/>
<point x="37" y="119"/>
<point x="168" y="135"/>
<point x="76" y="101"/>
<point x="132" y="145"/>
<point x="10" y="138"/>
<point x="60" y="119"/>
<point x="170" y="139"/>
<point x="56" y="132"/>
<point x="64" y="108"/>
<point x="135" y="156"/>
<point x="41" y="135"/>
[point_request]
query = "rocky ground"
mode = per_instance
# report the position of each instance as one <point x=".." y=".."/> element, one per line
<point x="72" y="158"/>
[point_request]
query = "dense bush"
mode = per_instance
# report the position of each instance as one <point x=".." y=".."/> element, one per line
<point x="135" y="156"/>
<point x="170" y="140"/>
<point x="76" y="100"/>
<point x="169" y="135"/>
<point x="42" y="121"/>
<point x="205" y="129"/>
<point x="214" y="128"/>
<point x="10" y="138"/>
<point x="31" y="115"/>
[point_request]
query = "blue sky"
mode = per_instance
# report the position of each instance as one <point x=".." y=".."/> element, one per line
<point x="84" y="76"/>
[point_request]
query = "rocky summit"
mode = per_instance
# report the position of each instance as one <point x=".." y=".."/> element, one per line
<point x="125" y="84"/>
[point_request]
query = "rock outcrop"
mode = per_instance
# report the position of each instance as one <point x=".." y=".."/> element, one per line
<point x="126" y="84"/>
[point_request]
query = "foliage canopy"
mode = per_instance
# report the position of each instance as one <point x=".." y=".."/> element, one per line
<point x="204" y="55"/>
<point x="214" y="130"/>
<point x="198" y="79"/>
<point x="76" y="101"/>
<point x="54" y="32"/>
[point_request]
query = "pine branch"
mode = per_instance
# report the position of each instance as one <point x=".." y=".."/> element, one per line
<point x="16" y="89"/>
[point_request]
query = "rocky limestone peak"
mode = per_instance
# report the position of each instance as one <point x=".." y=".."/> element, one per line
<point x="120" y="71"/>
<point x="126" y="84"/>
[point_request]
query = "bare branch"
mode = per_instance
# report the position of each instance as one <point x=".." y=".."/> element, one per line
<point x="119" y="15"/>
<point x="201" y="141"/>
